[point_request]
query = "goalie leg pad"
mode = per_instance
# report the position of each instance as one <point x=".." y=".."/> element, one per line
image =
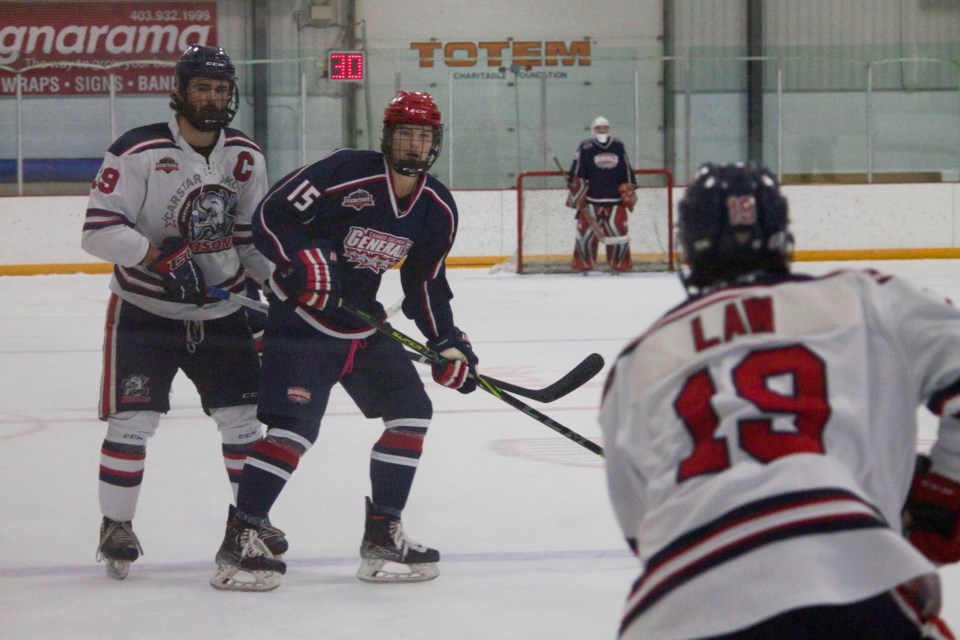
<point x="618" y="243"/>
<point x="585" y="245"/>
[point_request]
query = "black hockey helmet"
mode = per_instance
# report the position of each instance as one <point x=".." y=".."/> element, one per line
<point x="199" y="61"/>
<point x="732" y="222"/>
<point x="411" y="107"/>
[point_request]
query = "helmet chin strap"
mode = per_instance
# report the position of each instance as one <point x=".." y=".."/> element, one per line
<point x="602" y="138"/>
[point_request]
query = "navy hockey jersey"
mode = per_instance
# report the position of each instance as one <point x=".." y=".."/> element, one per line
<point x="346" y="203"/>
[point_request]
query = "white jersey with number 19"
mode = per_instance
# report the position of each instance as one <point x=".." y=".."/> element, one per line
<point x="761" y="439"/>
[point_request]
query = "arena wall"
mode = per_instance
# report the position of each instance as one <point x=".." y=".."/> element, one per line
<point x="830" y="222"/>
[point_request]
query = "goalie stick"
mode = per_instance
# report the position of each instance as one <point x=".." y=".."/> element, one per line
<point x="575" y="378"/>
<point x="482" y="381"/>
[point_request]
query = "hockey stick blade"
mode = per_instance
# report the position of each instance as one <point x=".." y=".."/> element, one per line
<point x="574" y="379"/>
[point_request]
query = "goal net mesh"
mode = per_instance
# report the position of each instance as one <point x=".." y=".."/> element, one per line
<point x="546" y="227"/>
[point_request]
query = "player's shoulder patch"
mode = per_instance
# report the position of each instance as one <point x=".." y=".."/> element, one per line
<point x="237" y="138"/>
<point x="151" y="136"/>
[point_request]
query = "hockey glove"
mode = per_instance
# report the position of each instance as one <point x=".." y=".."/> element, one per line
<point x="182" y="278"/>
<point x="460" y="372"/>
<point x="311" y="278"/>
<point x="931" y="517"/>
<point x="628" y="195"/>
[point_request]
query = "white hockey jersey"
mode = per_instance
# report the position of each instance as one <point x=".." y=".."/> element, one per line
<point x="760" y="443"/>
<point x="153" y="185"/>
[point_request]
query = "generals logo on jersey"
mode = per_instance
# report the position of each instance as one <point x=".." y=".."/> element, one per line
<point x="606" y="160"/>
<point x="374" y="250"/>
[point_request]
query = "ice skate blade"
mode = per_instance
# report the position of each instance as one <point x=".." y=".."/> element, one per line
<point x="372" y="570"/>
<point x="117" y="569"/>
<point x="228" y="578"/>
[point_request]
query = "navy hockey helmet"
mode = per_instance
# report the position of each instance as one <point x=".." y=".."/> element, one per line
<point x="411" y="107"/>
<point x="732" y="222"/>
<point x="199" y="61"/>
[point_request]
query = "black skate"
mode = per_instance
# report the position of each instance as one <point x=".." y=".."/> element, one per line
<point x="275" y="539"/>
<point x="118" y="547"/>
<point x="244" y="562"/>
<point x="383" y="542"/>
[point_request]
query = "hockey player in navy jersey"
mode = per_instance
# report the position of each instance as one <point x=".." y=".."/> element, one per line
<point x="171" y="207"/>
<point x="602" y="190"/>
<point x="760" y="439"/>
<point x="333" y="228"/>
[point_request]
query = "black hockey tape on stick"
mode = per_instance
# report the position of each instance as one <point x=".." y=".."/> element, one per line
<point x="574" y="379"/>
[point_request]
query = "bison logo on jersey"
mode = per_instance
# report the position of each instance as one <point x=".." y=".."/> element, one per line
<point x="606" y="160"/>
<point x="206" y="217"/>
<point x="374" y="250"/>
<point x="135" y="388"/>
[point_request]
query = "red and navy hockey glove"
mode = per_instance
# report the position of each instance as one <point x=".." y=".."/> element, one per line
<point x="628" y="195"/>
<point x="931" y="516"/>
<point x="311" y="278"/>
<point x="460" y="372"/>
<point x="182" y="278"/>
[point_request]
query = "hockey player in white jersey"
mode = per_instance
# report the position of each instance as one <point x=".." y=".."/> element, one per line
<point x="760" y="439"/>
<point x="171" y="207"/>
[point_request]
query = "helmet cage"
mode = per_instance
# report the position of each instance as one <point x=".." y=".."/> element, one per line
<point x="412" y="108"/>
<point x="732" y="222"/>
<point x="200" y="61"/>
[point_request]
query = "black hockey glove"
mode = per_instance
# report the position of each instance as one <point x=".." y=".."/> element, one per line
<point x="311" y="278"/>
<point x="931" y="516"/>
<point x="182" y="278"/>
<point x="460" y="372"/>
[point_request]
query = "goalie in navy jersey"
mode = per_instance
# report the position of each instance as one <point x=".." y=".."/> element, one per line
<point x="333" y="228"/>
<point x="761" y="438"/>
<point x="602" y="189"/>
<point x="171" y="208"/>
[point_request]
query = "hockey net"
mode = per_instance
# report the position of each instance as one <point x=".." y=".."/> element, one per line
<point x="546" y="226"/>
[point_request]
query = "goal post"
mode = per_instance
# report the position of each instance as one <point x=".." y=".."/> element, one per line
<point x="546" y="227"/>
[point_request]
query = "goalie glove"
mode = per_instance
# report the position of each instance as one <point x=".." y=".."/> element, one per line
<point x="310" y="277"/>
<point x="932" y="514"/>
<point x="182" y="278"/>
<point x="628" y="195"/>
<point x="460" y="372"/>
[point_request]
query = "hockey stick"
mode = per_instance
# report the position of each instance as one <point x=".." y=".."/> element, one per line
<point x="575" y="378"/>
<point x="482" y="381"/>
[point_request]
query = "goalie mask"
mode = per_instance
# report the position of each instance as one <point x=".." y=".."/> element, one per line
<point x="600" y="129"/>
<point x="410" y="108"/>
<point x="732" y="222"/>
<point x="200" y="61"/>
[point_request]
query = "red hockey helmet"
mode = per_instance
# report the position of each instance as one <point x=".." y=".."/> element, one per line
<point x="412" y="108"/>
